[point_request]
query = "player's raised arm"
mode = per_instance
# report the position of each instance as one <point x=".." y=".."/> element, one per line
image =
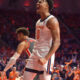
<point x="53" y="25"/>
<point x="16" y="55"/>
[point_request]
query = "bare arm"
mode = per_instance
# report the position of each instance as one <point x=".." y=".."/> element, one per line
<point x="16" y="55"/>
<point x="67" y="63"/>
<point x="53" y="25"/>
<point x="70" y="73"/>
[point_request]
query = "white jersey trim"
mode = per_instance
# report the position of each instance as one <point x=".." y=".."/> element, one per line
<point x="45" y="21"/>
<point x="51" y="16"/>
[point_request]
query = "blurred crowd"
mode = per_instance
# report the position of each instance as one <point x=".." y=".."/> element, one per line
<point x="13" y="75"/>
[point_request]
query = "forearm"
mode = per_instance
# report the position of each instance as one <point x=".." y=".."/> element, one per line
<point x="12" y="61"/>
<point x="10" y="64"/>
<point x="53" y="49"/>
<point x="70" y="74"/>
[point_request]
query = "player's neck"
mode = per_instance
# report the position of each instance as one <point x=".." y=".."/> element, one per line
<point x="25" y="37"/>
<point x="44" y="15"/>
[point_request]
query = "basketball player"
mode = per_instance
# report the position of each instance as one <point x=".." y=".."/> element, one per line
<point x="26" y="45"/>
<point x="48" y="41"/>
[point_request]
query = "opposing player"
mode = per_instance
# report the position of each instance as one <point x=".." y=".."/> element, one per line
<point x="48" y="41"/>
<point x="26" y="45"/>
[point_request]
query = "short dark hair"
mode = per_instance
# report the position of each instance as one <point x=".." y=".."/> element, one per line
<point x="50" y="3"/>
<point x="23" y="30"/>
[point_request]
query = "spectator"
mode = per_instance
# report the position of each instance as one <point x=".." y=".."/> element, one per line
<point x="12" y="75"/>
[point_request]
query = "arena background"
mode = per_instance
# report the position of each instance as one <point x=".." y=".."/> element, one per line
<point x="22" y="13"/>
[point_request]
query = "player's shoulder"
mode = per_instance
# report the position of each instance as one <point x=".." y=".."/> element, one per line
<point x="22" y="43"/>
<point x="53" y="20"/>
<point x="32" y="40"/>
<point x="53" y="23"/>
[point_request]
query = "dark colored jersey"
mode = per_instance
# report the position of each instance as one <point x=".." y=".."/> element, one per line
<point x="30" y="45"/>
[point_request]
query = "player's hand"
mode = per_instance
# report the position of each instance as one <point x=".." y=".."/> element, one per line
<point x="42" y="61"/>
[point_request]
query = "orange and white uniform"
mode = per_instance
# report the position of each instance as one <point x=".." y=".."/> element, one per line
<point x="41" y="49"/>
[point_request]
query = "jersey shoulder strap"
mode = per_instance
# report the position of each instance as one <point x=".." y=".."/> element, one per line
<point x="46" y="20"/>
